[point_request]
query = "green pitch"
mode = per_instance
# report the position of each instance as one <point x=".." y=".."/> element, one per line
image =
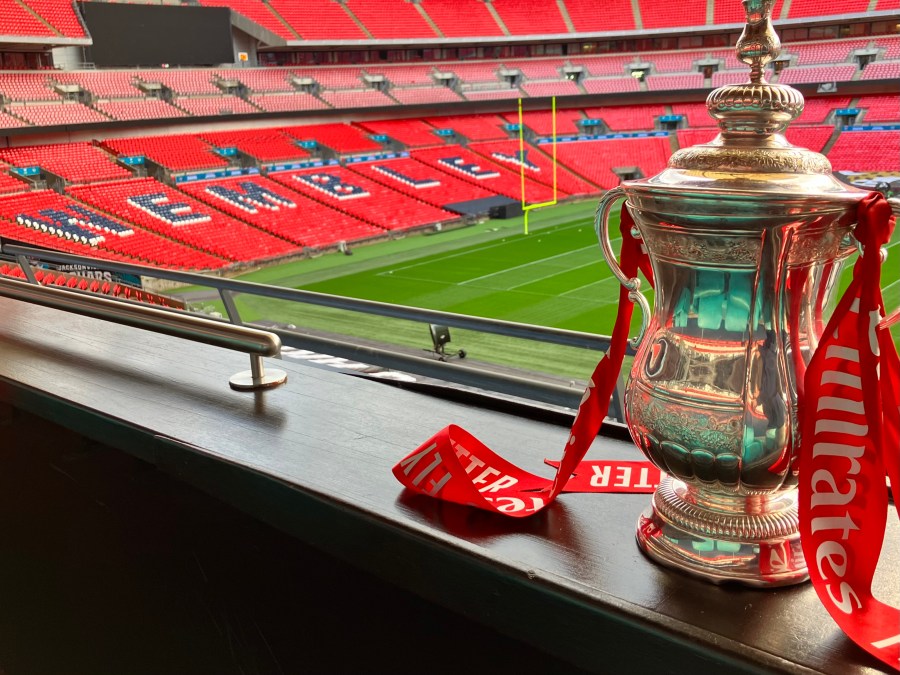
<point x="554" y="276"/>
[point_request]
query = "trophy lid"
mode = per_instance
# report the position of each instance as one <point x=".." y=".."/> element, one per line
<point x="751" y="154"/>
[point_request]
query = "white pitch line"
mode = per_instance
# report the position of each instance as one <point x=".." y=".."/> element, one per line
<point x="552" y="274"/>
<point x="524" y="265"/>
<point x="593" y="283"/>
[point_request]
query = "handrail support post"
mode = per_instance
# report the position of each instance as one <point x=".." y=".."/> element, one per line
<point x="257" y="377"/>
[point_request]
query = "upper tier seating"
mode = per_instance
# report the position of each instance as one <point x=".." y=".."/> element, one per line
<point x="490" y="94"/>
<point x="287" y="102"/>
<point x="882" y="70"/>
<point x="103" y="84"/>
<point x="7" y="121"/>
<point x="15" y="20"/>
<point x="367" y="200"/>
<point x="260" y="80"/>
<point x="880" y="108"/>
<point x="255" y="11"/>
<point x="805" y="8"/>
<point x="671" y="62"/>
<point x="266" y="145"/>
<point x="416" y="95"/>
<point x="595" y="159"/>
<point x="388" y="19"/>
<point x="660" y="15"/>
<point x="60" y="15"/>
<point x="538" y="165"/>
<point x="10" y="184"/>
<point x="590" y="17"/>
<point x="318" y="19"/>
<point x="421" y="181"/>
<point x="469" y="166"/>
<point x="815" y="53"/>
<point x="691" y="137"/>
<point x="602" y="66"/>
<point x="212" y="106"/>
<point x="76" y="162"/>
<point x="667" y="82"/>
<point x="541" y="121"/>
<point x="723" y="77"/>
<point x="364" y="98"/>
<point x="610" y="85"/>
<point x="138" y="109"/>
<point x="530" y="17"/>
<point x="627" y="118"/>
<point x="727" y="11"/>
<point x="179" y="153"/>
<point x="891" y="46"/>
<point x="27" y="86"/>
<point x="273" y="207"/>
<point x="50" y="114"/>
<point x="462" y="18"/>
<point x="341" y="138"/>
<point x="476" y="71"/>
<point x="177" y="216"/>
<point x="48" y="219"/>
<point x="405" y="75"/>
<point x="557" y="88"/>
<point x="817" y="74"/>
<point x="866" y="151"/>
<point x="474" y="127"/>
<point x="813" y="137"/>
<point x="333" y="78"/>
<point x="816" y="110"/>
<point x="537" y="69"/>
<point x="184" y="82"/>
<point x="412" y="132"/>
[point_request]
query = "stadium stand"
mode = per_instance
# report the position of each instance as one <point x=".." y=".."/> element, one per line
<point x="680" y="81"/>
<point x="671" y="62"/>
<point x="420" y="181"/>
<point x="7" y="121"/>
<point x="363" y="98"/>
<point x="812" y="137"/>
<point x="689" y="137"/>
<point x="175" y="215"/>
<point x="538" y="165"/>
<point x="490" y="94"/>
<point x="416" y="95"/>
<point x="697" y="114"/>
<point x="595" y="160"/>
<point x="601" y="66"/>
<point x="474" y="127"/>
<point x="525" y="17"/>
<point x="462" y="18"/>
<point x="318" y="19"/>
<point x="880" y="108"/>
<point x="16" y="20"/>
<point x="627" y="118"/>
<point x="589" y="17"/>
<point x="363" y="198"/>
<point x="188" y="82"/>
<point x="412" y="133"/>
<point x="461" y="163"/>
<point x="46" y="218"/>
<point x="211" y="106"/>
<point x="405" y="75"/>
<point x="54" y="114"/>
<point x="806" y="8"/>
<point x="27" y="87"/>
<point x="275" y="208"/>
<point x="541" y="121"/>
<point x="817" y="53"/>
<point x="611" y="85"/>
<point x="866" y="151"/>
<point x="725" y="12"/>
<point x="471" y="72"/>
<point x="817" y="74"/>
<point x="76" y="162"/>
<point x="178" y="153"/>
<point x="537" y="69"/>
<point x="103" y="84"/>
<point x="545" y="89"/>
<point x="257" y="12"/>
<point x="60" y="15"/>
<point x="138" y="109"/>
<point x="816" y="110"/>
<point x="287" y="102"/>
<point x="890" y="45"/>
<point x="882" y="70"/>
<point x="9" y="184"/>
<point x="660" y="15"/>
<point x="390" y="19"/>
<point x="341" y="138"/>
<point x="332" y="77"/>
<point x="260" y="80"/>
<point x="265" y="145"/>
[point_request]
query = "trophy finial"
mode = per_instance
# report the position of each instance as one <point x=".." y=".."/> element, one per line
<point x="758" y="44"/>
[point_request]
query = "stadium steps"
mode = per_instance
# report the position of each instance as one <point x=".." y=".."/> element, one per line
<point x="873" y="5"/>
<point x="785" y="10"/>
<point x="831" y="141"/>
<point x="283" y="22"/>
<point x="39" y="17"/>
<point x="564" y="11"/>
<point x="496" y="15"/>
<point x="428" y="19"/>
<point x="356" y="20"/>
<point x="710" y="13"/>
<point x="570" y="171"/>
<point x="638" y="19"/>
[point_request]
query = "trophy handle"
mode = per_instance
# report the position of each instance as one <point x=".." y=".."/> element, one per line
<point x="633" y="284"/>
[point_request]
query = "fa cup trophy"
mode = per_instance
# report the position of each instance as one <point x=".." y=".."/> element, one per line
<point x="746" y="236"/>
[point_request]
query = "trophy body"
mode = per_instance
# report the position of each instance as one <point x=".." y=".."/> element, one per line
<point x="746" y="236"/>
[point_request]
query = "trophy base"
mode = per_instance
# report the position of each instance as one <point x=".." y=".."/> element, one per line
<point x="751" y="540"/>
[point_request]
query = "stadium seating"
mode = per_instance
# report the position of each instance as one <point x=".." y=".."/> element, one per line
<point x="362" y="98"/>
<point x="660" y="15"/>
<point x="266" y="145"/>
<point x="138" y="109"/>
<point x="890" y="45"/>
<point x="669" y="82"/>
<point x="256" y="11"/>
<point x="52" y="114"/>
<point x="671" y="62"/>
<point x="490" y="94"/>
<point x="473" y="127"/>
<point x="341" y="138"/>
<point x="48" y="219"/>
<point x="211" y="106"/>
<point x="318" y="19"/>
<point x="538" y="165"/>
<point x="173" y="214"/>
<point x="816" y="110"/>
<point x="287" y="102"/>
<point x="365" y="199"/>
<point x="387" y="19"/>
<point x="690" y="137"/>
<point x="405" y="75"/>
<point x="76" y="162"/>
<point x="473" y="168"/>
<point x="723" y="77"/>
<point x="697" y="114"/>
<point x="27" y="86"/>
<point x="418" y="95"/>
<point x="880" y="108"/>
<point x="726" y="12"/>
<point x="260" y="80"/>
<point x="627" y="118"/>
<point x="485" y="71"/>
<point x="420" y="181"/>
<point x="537" y="69"/>
<point x="817" y="74"/>
<point x="610" y="85"/>
<point x="866" y="151"/>
<point x="273" y="207"/>
<point x="812" y="137"/>
<point x="413" y="133"/>
<point x="16" y="20"/>
<point x="103" y="84"/>
<point x="178" y="153"/>
<point x="9" y="184"/>
<point x="882" y="70"/>
<point x="595" y="160"/>
<point x="806" y="8"/>
<point x="602" y="66"/>
<point x="816" y="53"/>
<point x="541" y="121"/>
<point x="590" y="17"/>
<point x="529" y="17"/>
<point x="60" y="15"/>
<point x="187" y="82"/>
<point x="461" y="18"/>
<point x="546" y="89"/>
<point x="7" y="121"/>
<point x="332" y="77"/>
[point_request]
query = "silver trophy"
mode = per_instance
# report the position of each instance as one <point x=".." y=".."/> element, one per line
<point x="746" y="235"/>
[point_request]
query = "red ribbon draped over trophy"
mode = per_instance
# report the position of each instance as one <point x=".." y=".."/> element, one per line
<point x="850" y="440"/>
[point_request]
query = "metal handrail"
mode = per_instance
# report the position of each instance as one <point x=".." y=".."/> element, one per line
<point x="457" y="373"/>
<point x="252" y="341"/>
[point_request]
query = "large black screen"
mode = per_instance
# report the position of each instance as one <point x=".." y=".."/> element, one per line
<point x="150" y="35"/>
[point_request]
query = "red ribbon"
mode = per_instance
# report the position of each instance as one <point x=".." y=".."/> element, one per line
<point x="850" y="440"/>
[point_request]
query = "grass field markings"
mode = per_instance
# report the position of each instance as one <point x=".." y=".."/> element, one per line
<point x="552" y="274"/>
<point x="524" y="265"/>
<point x="593" y="283"/>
